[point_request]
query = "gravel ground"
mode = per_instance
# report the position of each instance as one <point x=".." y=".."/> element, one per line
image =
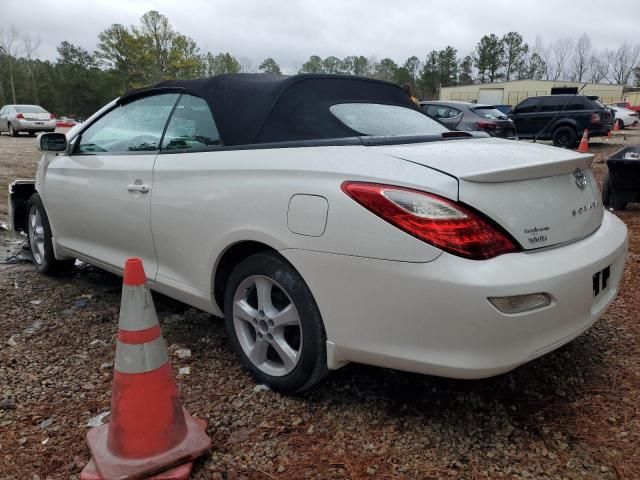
<point x="572" y="414"/>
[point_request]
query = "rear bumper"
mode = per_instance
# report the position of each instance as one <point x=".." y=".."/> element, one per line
<point x="33" y="125"/>
<point x="434" y="318"/>
<point x="600" y="130"/>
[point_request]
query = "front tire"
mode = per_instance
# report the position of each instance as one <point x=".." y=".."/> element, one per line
<point x="564" y="137"/>
<point x="620" y="124"/>
<point x="274" y="324"/>
<point x="39" y="234"/>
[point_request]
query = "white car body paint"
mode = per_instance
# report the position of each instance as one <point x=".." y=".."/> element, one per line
<point x="386" y="298"/>
<point x="628" y="117"/>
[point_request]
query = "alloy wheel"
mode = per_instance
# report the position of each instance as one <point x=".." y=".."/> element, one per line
<point x="267" y="325"/>
<point x="36" y="235"/>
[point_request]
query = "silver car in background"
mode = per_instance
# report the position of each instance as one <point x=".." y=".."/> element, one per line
<point x="26" y="118"/>
<point x="468" y="116"/>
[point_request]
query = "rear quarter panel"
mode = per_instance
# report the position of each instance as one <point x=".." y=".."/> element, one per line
<point x="202" y="203"/>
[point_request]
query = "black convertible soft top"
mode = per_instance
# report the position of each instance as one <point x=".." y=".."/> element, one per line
<point x="251" y="108"/>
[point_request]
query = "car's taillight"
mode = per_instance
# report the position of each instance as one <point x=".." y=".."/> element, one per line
<point x="595" y="118"/>
<point x="486" y="126"/>
<point x="52" y="116"/>
<point x="440" y="222"/>
<point x="19" y="115"/>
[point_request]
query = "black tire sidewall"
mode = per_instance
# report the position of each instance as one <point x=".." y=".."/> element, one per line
<point x="573" y="137"/>
<point x="12" y="131"/>
<point x="311" y="367"/>
<point x="606" y="192"/>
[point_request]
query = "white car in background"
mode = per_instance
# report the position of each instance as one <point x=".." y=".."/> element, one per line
<point x="330" y="221"/>
<point x="624" y="116"/>
<point x="26" y="118"/>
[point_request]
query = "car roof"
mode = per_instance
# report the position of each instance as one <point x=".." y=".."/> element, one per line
<point x="253" y="108"/>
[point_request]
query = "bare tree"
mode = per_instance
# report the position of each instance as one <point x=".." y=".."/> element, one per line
<point x="580" y="58"/>
<point x="544" y="52"/>
<point x="622" y="62"/>
<point x="246" y="65"/>
<point x="10" y="48"/>
<point x="29" y="48"/>
<point x="561" y="51"/>
<point x="598" y="67"/>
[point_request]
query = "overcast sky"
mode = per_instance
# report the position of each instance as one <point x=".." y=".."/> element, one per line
<point x="290" y="31"/>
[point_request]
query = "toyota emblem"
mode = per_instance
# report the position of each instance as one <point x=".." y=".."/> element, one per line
<point x="580" y="178"/>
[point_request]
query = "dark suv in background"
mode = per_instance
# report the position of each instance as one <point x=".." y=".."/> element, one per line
<point x="561" y="118"/>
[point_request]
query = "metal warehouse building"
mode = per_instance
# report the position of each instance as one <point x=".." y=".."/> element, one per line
<point x="512" y="93"/>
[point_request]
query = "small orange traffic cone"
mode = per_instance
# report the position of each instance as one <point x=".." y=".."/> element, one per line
<point x="149" y="432"/>
<point x="584" y="143"/>
<point x="616" y="126"/>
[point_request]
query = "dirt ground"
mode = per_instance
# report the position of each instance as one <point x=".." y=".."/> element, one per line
<point x="573" y="414"/>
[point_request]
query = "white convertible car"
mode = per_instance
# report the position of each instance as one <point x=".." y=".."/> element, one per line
<point x="329" y="221"/>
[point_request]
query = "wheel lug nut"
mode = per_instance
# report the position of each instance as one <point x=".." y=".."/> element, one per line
<point x="259" y="335"/>
<point x="270" y="323"/>
<point x="269" y="336"/>
<point x="255" y="321"/>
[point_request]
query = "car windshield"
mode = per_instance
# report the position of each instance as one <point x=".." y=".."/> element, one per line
<point x="30" y="109"/>
<point x="598" y="103"/>
<point x="385" y="120"/>
<point x="492" y="113"/>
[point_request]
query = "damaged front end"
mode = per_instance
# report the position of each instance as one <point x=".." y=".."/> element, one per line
<point x="20" y="192"/>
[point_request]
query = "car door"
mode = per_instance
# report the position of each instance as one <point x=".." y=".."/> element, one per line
<point x="98" y="197"/>
<point x="189" y="172"/>
<point x="525" y="116"/>
<point x="446" y="115"/>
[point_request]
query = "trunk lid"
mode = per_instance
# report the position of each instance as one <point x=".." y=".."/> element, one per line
<point x="541" y="195"/>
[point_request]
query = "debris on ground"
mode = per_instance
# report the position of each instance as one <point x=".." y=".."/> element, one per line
<point x="97" y="420"/>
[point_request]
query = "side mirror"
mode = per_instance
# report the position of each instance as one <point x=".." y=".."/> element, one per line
<point x="52" y="142"/>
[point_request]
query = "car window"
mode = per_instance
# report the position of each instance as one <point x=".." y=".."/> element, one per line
<point x="441" y="111"/>
<point x="491" y="113"/>
<point x="553" y="104"/>
<point x="191" y="126"/>
<point x="385" y="120"/>
<point x="30" y="109"/>
<point x="133" y="127"/>
<point x="526" y="106"/>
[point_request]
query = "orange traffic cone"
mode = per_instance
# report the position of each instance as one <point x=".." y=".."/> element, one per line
<point x="148" y="432"/>
<point x="616" y="126"/>
<point x="584" y="143"/>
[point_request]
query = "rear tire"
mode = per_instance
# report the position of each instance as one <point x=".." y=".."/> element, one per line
<point x="274" y="324"/>
<point x="617" y="202"/>
<point x="565" y="137"/>
<point x="12" y="131"/>
<point x="39" y="235"/>
<point x="606" y="192"/>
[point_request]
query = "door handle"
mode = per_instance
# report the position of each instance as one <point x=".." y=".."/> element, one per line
<point x="135" y="187"/>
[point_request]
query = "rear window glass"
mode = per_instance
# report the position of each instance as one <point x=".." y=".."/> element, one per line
<point x="492" y="113"/>
<point x="385" y="120"/>
<point x="30" y="109"/>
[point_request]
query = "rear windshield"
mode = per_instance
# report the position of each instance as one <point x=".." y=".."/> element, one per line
<point x="385" y="120"/>
<point x="491" y="113"/>
<point x="30" y="109"/>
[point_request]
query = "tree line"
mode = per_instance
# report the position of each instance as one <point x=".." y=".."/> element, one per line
<point x="78" y="82"/>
